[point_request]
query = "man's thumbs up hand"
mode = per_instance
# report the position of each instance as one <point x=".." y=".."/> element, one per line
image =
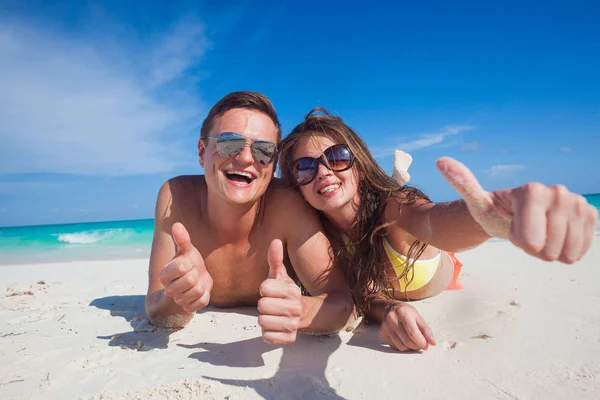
<point x="185" y="278"/>
<point x="281" y="303"/>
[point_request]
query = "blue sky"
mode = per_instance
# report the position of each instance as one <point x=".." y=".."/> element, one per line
<point x="100" y="104"/>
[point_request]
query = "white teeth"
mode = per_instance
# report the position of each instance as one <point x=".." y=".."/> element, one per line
<point x="329" y="188"/>
<point x="241" y="173"/>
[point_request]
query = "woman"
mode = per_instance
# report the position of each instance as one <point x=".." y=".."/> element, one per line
<point x="389" y="236"/>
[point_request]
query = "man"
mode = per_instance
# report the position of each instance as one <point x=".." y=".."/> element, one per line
<point x="221" y="238"/>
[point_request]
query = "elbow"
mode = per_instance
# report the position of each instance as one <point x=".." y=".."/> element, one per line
<point x="348" y="315"/>
<point x="170" y="321"/>
<point x="160" y="316"/>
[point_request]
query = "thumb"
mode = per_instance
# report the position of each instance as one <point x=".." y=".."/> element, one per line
<point x="181" y="238"/>
<point x="275" y="258"/>
<point x="462" y="180"/>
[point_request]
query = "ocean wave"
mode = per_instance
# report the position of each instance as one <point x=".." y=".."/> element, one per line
<point x="88" y="237"/>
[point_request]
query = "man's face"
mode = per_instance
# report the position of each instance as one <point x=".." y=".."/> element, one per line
<point x="239" y="179"/>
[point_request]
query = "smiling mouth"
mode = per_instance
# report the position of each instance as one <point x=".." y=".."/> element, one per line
<point x="329" y="188"/>
<point x="240" y="177"/>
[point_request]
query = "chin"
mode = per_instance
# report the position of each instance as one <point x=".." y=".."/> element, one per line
<point x="238" y="198"/>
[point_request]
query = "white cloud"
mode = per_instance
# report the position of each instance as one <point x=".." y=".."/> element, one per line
<point x="69" y="105"/>
<point x="426" y="140"/>
<point x="430" y="139"/>
<point x="504" y="169"/>
<point x="471" y="146"/>
<point x="565" y="149"/>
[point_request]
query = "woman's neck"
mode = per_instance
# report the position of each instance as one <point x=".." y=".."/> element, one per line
<point x="343" y="217"/>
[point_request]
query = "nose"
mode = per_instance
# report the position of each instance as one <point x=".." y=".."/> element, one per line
<point x="322" y="171"/>
<point x="245" y="155"/>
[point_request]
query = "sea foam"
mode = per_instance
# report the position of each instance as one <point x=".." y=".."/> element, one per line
<point x="87" y="237"/>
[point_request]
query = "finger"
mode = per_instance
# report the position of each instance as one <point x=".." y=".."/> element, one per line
<point x="398" y="335"/>
<point x="275" y="258"/>
<point x="278" y="289"/>
<point x="426" y="331"/>
<point x="590" y="234"/>
<point x="273" y="337"/>
<point x="573" y="243"/>
<point x="198" y="304"/>
<point x="591" y="225"/>
<point x="181" y="238"/>
<point x="277" y="323"/>
<point x="394" y="341"/>
<point x="275" y="306"/>
<point x="177" y="268"/>
<point x="182" y="284"/>
<point x="414" y="334"/>
<point x="556" y="233"/>
<point x="189" y="296"/>
<point x="462" y="180"/>
<point x="529" y="224"/>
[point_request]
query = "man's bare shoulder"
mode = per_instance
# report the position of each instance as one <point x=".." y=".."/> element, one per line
<point x="177" y="194"/>
<point x="185" y="183"/>
<point x="286" y="199"/>
<point x="289" y="207"/>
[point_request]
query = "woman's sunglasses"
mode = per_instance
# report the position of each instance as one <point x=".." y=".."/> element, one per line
<point x="336" y="158"/>
<point x="230" y="144"/>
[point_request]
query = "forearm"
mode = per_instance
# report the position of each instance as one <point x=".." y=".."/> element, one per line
<point x="326" y="313"/>
<point x="448" y="226"/>
<point x="164" y="312"/>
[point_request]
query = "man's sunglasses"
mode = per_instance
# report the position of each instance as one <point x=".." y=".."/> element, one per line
<point x="336" y="158"/>
<point x="230" y="144"/>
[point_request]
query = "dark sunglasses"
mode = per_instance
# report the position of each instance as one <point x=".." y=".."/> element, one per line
<point x="230" y="144"/>
<point x="336" y="158"/>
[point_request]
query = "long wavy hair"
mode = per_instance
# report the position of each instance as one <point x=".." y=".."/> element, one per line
<point x="364" y="257"/>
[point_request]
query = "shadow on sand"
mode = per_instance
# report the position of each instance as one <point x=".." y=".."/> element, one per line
<point x="144" y="336"/>
<point x="301" y="372"/>
<point x="367" y="336"/>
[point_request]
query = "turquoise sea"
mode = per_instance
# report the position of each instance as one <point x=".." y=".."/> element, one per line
<point x="75" y="242"/>
<point x="92" y="240"/>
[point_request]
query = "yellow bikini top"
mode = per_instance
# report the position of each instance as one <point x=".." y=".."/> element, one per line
<point x="417" y="277"/>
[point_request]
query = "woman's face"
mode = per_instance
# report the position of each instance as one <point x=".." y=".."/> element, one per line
<point x="330" y="191"/>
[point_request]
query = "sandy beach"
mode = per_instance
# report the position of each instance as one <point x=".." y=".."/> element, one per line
<point x="521" y="329"/>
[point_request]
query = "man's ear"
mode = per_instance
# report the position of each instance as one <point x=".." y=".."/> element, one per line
<point x="201" y="152"/>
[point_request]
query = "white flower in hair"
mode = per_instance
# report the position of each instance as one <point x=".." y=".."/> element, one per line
<point x="402" y="161"/>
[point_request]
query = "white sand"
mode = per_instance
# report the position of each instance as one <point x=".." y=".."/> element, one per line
<point x="521" y="329"/>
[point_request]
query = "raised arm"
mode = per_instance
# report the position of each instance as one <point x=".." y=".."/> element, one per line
<point x="178" y="283"/>
<point x="283" y="310"/>
<point x="330" y="306"/>
<point x="547" y="222"/>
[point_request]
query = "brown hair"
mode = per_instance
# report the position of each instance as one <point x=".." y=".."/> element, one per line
<point x="243" y="99"/>
<point x="366" y="261"/>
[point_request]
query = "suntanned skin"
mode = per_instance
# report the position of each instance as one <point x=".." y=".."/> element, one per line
<point x="549" y="223"/>
<point x="515" y="214"/>
<point x="240" y="236"/>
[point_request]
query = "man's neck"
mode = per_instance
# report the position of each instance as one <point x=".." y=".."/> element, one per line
<point x="231" y="223"/>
